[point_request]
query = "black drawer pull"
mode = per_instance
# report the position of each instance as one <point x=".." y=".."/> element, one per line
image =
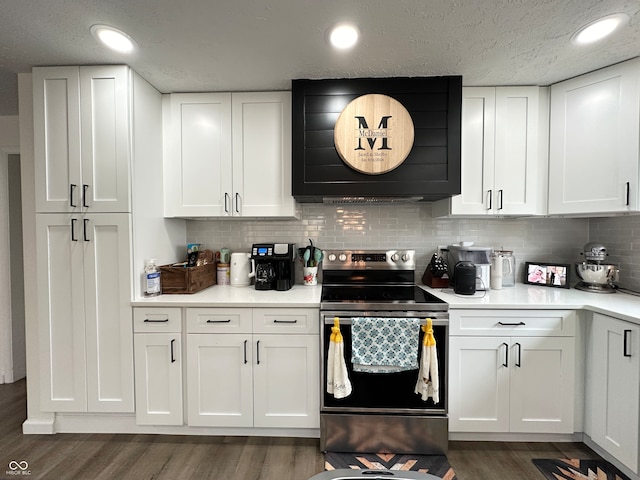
<point x="219" y="321"/>
<point x="150" y="320"/>
<point x="285" y="321"/>
<point x="505" y="324"/>
<point x="173" y="358"/>
<point x="245" y="352"/>
<point x="258" y="352"/>
<point x="84" y="195"/>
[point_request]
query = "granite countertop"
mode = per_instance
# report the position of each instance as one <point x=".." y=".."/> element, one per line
<point x="300" y="296"/>
<point x="621" y="305"/>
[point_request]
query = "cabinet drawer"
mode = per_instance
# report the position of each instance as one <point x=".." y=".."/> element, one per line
<point x="513" y="322"/>
<point x="286" y="320"/>
<point x="155" y="319"/>
<point x="218" y="320"/>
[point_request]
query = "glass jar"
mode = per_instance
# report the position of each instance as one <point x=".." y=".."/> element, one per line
<point x="508" y="268"/>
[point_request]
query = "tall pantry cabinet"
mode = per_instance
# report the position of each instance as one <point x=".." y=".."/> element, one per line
<point x="89" y="124"/>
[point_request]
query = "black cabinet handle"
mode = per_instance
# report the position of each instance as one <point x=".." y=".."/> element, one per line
<point x="490" y="199"/>
<point x="84" y="195"/>
<point x="505" y="324"/>
<point x="285" y="321"/>
<point x="519" y="361"/>
<point x="237" y="203"/>
<point x="500" y="198"/>
<point x="219" y="321"/>
<point x="506" y="355"/>
<point x="258" y="352"/>
<point x="173" y="358"/>
<point x="245" y="352"/>
<point x="149" y="320"/>
<point x="625" y="346"/>
<point x="226" y="202"/>
<point x="73" y="230"/>
<point x="84" y="229"/>
<point x="628" y="193"/>
<point x="72" y="187"/>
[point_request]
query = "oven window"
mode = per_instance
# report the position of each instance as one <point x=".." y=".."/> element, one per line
<point x="386" y="390"/>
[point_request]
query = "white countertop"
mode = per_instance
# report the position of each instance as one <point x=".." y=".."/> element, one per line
<point x="300" y="296"/>
<point x="621" y="305"/>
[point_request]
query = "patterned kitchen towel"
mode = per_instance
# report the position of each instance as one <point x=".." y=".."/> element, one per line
<point x="384" y="345"/>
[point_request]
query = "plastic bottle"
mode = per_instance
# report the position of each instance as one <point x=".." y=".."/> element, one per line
<point x="152" y="278"/>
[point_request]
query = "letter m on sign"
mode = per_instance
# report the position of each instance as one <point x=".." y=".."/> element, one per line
<point x="371" y="140"/>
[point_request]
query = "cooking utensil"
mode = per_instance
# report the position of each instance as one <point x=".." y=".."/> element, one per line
<point x="317" y="255"/>
<point x="306" y="256"/>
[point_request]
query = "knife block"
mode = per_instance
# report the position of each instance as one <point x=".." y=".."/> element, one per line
<point x="434" y="282"/>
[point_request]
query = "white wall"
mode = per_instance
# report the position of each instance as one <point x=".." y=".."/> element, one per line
<point x="9" y="144"/>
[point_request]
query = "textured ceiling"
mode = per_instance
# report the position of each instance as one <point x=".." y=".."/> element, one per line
<point x="240" y="45"/>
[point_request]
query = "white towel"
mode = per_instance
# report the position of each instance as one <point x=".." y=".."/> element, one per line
<point x="428" y="383"/>
<point x="338" y="383"/>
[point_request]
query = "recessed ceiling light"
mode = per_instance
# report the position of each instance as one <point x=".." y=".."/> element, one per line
<point x="600" y="28"/>
<point x="113" y="38"/>
<point x="344" y="35"/>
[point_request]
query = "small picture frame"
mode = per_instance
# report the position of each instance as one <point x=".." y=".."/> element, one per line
<point x="547" y="274"/>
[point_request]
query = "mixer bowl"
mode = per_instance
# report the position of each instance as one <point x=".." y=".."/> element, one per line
<point x="597" y="274"/>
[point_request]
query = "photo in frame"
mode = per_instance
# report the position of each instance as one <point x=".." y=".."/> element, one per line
<point x="547" y="274"/>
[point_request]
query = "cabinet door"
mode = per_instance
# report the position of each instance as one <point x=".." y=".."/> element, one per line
<point x="197" y="159"/>
<point x="286" y="373"/>
<point x="105" y="142"/>
<point x="106" y="240"/>
<point x="542" y="384"/>
<point x="594" y="138"/>
<point x="219" y="380"/>
<point x="56" y="116"/>
<point x="158" y="363"/>
<point x="615" y="387"/>
<point x="262" y="154"/>
<point x="478" y="131"/>
<point x="479" y="384"/>
<point x="518" y="172"/>
<point x="61" y="326"/>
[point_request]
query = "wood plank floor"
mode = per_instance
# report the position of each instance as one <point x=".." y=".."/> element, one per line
<point x="160" y="457"/>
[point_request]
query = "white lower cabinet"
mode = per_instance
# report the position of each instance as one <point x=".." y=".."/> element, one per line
<point x="613" y="387"/>
<point x="158" y="366"/>
<point x="84" y="322"/>
<point x="509" y="375"/>
<point x="240" y="376"/>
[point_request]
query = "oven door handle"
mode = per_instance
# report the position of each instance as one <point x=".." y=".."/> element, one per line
<point x="437" y="320"/>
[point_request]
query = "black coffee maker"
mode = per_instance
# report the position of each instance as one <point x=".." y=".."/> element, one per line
<point x="273" y="265"/>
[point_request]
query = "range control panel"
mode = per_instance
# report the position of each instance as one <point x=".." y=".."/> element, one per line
<point x="369" y="260"/>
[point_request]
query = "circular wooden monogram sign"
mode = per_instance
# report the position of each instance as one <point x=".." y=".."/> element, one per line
<point x="374" y="134"/>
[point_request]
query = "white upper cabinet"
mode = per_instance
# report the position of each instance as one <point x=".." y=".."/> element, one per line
<point x="503" y="153"/>
<point x="594" y="142"/>
<point x="228" y="155"/>
<point x="81" y="139"/>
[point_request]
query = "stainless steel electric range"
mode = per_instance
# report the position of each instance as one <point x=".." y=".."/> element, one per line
<point x="382" y="414"/>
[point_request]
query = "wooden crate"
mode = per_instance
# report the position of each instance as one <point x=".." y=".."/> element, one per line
<point x="187" y="279"/>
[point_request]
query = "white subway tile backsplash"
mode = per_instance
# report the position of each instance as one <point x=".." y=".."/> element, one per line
<point x="411" y="226"/>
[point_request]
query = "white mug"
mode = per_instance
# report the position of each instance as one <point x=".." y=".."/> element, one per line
<point x="241" y="271"/>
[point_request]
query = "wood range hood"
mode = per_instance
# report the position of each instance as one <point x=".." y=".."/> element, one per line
<point x="322" y="169"/>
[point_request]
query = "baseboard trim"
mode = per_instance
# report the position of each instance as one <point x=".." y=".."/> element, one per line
<point x="38" y="427"/>
<point x="515" y="437"/>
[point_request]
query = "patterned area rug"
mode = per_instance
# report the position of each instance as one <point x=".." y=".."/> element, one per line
<point x="437" y="465"/>
<point x="575" y="469"/>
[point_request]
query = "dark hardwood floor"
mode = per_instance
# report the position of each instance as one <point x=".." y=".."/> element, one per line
<point x="160" y="457"/>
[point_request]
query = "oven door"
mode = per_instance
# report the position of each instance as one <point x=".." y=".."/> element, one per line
<point x="388" y="393"/>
